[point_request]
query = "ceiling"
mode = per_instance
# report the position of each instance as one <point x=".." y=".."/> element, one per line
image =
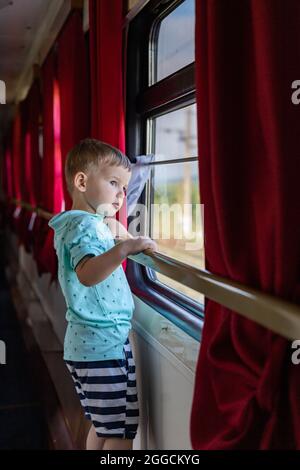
<point x="19" y="23"/>
<point x="25" y="25"/>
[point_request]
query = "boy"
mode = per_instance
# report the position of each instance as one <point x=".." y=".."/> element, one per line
<point x="99" y="301"/>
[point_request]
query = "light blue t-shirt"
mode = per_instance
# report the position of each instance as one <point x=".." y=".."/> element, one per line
<point x="99" y="317"/>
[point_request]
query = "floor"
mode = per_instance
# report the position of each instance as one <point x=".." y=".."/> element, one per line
<point x="22" y="425"/>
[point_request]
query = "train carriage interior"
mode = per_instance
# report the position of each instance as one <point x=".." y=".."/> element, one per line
<point x="200" y="99"/>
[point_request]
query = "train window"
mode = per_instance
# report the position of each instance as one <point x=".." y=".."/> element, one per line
<point x="175" y="218"/>
<point x="161" y="120"/>
<point x="174" y="44"/>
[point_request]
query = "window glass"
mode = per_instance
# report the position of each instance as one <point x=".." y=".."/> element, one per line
<point x="175" y="134"/>
<point x="197" y="296"/>
<point x="176" y="40"/>
<point x="176" y="216"/>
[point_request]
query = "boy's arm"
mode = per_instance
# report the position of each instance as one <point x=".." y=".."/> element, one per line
<point x="117" y="229"/>
<point x="94" y="269"/>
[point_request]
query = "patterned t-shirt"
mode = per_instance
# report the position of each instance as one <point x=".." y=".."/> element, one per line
<point x="99" y="317"/>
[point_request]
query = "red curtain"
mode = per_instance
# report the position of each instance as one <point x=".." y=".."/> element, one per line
<point x="22" y="172"/>
<point x="35" y="127"/>
<point x="51" y="174"/>
<point x="66" y="120"/>
<point x="33" y="163"/>
<point x="22" y="165"/>
<point x="16" y="169"/>
<point x="7" y="181"/>
<point x="73" y="82"/>
<point x="106" y="19"/>
<point x="247" y="56"/>
<point x="16" y="155"/>
<point x="29" y="163"/>
<point x="25" y="172"/>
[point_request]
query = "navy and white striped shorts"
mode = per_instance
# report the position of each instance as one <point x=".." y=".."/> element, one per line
<point x="108" y="394"/>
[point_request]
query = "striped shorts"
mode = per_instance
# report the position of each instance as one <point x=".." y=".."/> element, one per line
<point x="108" y="394"/>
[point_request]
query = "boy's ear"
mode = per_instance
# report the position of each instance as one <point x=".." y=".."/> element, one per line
<point x="80" y="180"/>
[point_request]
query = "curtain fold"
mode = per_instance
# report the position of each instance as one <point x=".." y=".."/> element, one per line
<point x="73" y="82"/>
<point x="106" y="45"/>
<point x="246" y="392"/>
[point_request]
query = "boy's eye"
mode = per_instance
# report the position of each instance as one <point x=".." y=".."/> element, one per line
<point x="113" y="182"/>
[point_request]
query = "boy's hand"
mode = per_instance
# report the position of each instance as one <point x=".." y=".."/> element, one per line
<point x="135" y="245"/>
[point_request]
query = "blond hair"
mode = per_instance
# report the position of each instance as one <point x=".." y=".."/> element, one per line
<point x="89" y="153"/>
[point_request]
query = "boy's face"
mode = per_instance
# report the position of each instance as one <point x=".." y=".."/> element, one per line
<point x="106" y="188"/>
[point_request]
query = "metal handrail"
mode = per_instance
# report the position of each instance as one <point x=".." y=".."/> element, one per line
<point x="272" y="312"/>
<point x="267" y="310"/>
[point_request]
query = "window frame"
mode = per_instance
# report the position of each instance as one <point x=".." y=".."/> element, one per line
<point x="144" y="102"/>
